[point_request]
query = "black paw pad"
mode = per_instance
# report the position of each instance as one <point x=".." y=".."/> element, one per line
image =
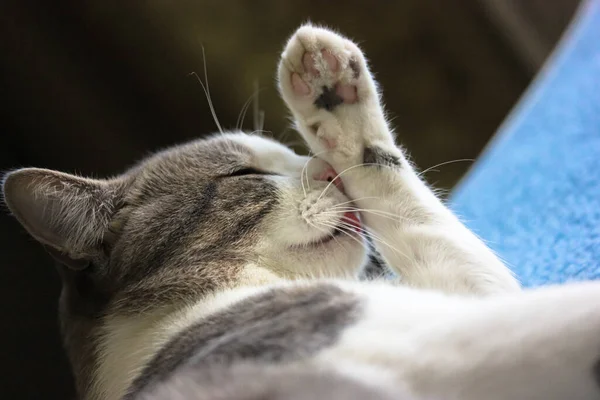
<point x="329" y="99"/>
<point x="355" y="69"/>
<point x="374" y="155"/>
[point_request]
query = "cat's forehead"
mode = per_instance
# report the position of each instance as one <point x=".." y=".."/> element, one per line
<point x="221" y="155"/>
<point x="209" y="157"/>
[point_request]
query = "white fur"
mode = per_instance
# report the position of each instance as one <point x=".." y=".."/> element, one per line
<point x="513" y="345"/>
<point x="533" y="345"/>
<point x="536" y="345"/>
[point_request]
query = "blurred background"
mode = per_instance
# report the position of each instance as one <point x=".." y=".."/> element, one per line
<point x="92" y="86"/>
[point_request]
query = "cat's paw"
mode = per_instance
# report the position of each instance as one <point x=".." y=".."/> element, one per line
<point x="325" y="81"/>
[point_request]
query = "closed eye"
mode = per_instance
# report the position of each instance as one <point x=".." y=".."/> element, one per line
<point x="247" y="171"/>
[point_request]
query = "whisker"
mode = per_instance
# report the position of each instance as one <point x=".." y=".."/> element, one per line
<point x="376" y="237"/>
<point x="346" y="170"/>
<point x="266" y="262"/>
<point x="339" y="210"/>
<point x="359" y="199"/>
<point x="294" y="143"/>
<point x="444" y="163"/>
<point x="260" y="132"/>
<point x="305" y="170"/>
<point x="367" y="211"/>
<point x="330" y="233"/>
<point x="207" y="90"/>
<point x="284" y="135"/>
<point x="259" y="115"/>
<point x="343" y="230"/>
<point x="302" y="177"/>
<point x="212" y="107"/>
<point x="242" y="116"/>
<point x="369" y="233"/>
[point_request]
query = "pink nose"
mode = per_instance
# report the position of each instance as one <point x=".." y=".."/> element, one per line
<point x="329" y="175"/>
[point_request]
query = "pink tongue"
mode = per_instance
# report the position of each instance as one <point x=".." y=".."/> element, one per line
<point x="351" y="218"/>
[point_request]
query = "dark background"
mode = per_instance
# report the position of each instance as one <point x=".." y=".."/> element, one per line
<point x="92" y="86"/>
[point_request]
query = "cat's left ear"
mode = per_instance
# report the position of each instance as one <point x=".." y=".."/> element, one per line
<point x="69" y="214"/>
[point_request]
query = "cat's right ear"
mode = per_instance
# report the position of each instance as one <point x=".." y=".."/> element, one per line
<point x="67" y="213"/>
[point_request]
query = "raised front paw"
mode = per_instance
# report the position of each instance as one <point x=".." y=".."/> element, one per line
<point x="324" y="79"/>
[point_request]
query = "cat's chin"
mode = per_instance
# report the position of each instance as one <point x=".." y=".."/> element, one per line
<point x="340" y="253"/>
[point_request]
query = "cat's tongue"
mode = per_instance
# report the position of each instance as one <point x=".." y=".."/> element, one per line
<point x="352" y="219"/>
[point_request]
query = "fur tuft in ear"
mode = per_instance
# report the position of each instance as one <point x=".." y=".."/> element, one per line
<point x="68" y="213"/>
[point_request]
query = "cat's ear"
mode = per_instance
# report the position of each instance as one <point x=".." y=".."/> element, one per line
<point x="69" y="214"/>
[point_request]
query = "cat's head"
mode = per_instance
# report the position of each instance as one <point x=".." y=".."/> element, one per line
<point x="226" y="211"/>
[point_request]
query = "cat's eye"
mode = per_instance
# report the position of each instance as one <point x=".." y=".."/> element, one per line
<point x="247" y="171"/>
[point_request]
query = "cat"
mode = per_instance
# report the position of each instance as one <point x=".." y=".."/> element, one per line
<point x="227" y="268"/>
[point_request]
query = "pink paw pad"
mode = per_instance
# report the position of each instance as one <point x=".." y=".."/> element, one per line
<point x="323" y="70"/>
<point x="308" y="61"/>
<point x="347" y="93"/>
<point x="331" y="61"/>
<point x="300" y="87"/>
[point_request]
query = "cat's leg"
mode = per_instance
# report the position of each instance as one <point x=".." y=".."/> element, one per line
<point x="325" y="81"/>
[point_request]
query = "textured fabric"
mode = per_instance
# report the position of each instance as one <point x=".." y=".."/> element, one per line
<point x="534" y="195"/>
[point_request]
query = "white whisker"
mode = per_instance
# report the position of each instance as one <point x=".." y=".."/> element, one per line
<point x="242" y="116"/>
<point x="444" y="163"/>
<point x="260" y="132"/>
<point x="207" y="90"/>
<point x="294" y="143"/>
<point x="376" y="237"/>
<point x="342" y="230"/>
<point x="355" y="200"/>
<point x="305" y="170"/>
<point x="385" y="214"/>
<point x="259" y="115"/>
<point x="328" y="232"/>
<point x="346" y="170"/>
<point x="284" y="135"/>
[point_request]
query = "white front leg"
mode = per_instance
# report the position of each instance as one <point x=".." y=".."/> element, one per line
<point x="325" y="81"/>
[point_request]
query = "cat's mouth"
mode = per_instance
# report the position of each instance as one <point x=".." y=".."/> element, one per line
<point x="349" y="225"/>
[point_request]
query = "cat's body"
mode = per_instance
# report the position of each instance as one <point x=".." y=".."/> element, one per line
<point x="227" y="268"/>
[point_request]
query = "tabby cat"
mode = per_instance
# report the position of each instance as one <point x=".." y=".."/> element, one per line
<point x="227" y="268"/>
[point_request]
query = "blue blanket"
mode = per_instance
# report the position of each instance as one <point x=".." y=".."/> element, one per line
<point x="534" y="194"/>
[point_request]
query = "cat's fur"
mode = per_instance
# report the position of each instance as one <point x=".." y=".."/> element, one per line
<point x="216" y="269"/>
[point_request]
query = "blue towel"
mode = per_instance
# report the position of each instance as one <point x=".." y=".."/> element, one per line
<point x="534" y="194"/>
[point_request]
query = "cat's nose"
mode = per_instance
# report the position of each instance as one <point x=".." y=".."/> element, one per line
<point x="329" y="175"/>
